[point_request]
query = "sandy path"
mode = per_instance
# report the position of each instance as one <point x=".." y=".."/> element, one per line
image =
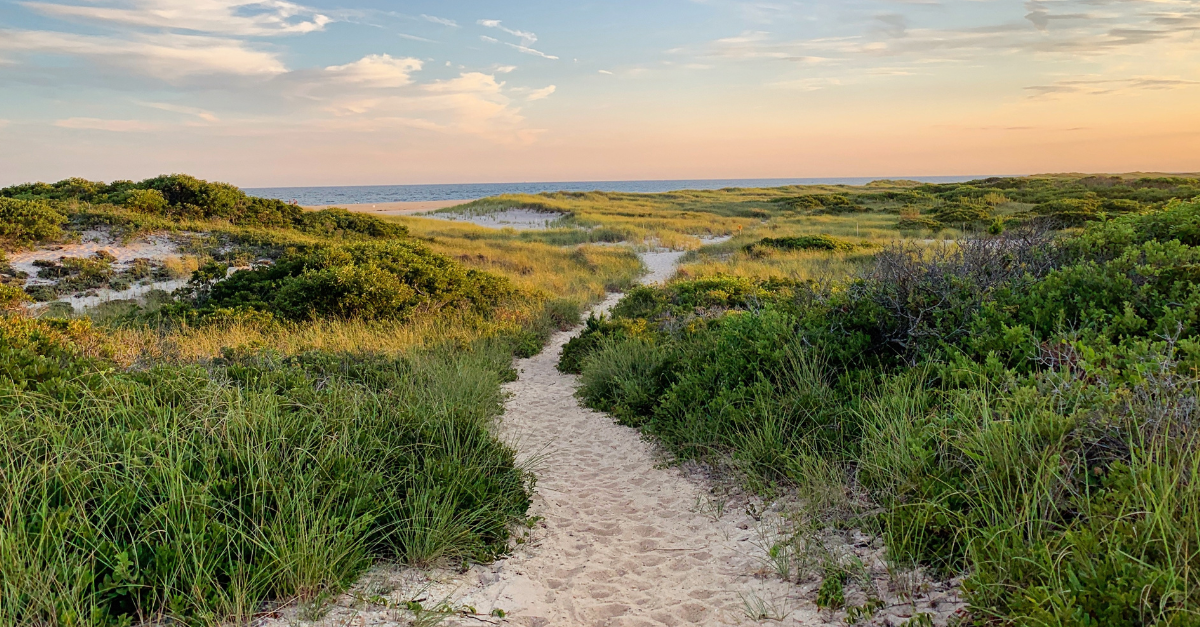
<point x="621" y="540"/>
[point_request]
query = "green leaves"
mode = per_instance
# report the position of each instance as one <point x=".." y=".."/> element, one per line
<point x="24" y="222"/>
<point x="377" y="281"/>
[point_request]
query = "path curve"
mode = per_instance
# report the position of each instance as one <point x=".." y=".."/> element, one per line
<point x="622" y="540"/>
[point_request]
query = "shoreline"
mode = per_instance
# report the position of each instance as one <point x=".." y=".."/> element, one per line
<point x="395" y="208"/>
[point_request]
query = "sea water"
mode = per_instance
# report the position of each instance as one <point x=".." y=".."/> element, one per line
<point x="369" y="194"/>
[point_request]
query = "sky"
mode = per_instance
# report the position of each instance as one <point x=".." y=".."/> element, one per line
<point x="276" y="93"/>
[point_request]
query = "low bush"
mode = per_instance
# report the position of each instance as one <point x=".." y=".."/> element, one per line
<point x="805" y="242"/>
<point x="24" y="223"/>
<point x="388" y="280"/>
<point x="336" y="222"/>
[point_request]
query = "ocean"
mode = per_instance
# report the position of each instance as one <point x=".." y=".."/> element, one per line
<point x="368" y="194"/>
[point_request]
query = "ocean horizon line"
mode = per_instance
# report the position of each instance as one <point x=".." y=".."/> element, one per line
<point x="368" y="194"/>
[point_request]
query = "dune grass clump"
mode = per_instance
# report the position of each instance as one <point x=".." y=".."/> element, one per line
<point x="200" y="492"/>
<point x="1020" y="410"/>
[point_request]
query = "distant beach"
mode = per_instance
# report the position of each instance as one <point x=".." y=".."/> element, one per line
<point x="389" y="194"/>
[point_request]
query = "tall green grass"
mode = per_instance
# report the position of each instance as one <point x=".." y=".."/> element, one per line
<point x="201" y="493"/>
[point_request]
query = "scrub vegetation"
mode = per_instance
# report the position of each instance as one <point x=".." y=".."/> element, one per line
<point x="997" y="377"/>
<point x="319" y="397"/>
<point x="1016" y="406"/>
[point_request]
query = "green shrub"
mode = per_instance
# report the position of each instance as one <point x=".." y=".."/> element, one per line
<point x="23" y="223"/>
<point x="596" y="329"/>
<point x="374" y="281"/>
<point x="12" y="297"/>
<point x="805" y="242"/>
<point x="336" y="222"/>
<point x="149" y="201"/>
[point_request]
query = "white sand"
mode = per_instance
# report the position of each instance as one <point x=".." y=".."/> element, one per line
<point x="155" y="247"/>
<point x="622" y="540"/>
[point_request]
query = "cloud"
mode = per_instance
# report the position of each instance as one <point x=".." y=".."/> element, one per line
<point x="377" y="70"/>
<point x="112" y="126"/>
<point x="526" y="37"/>
<point x="520" y="48"/>
<point x="415" y="38"/>
<point x="224" y="17"/>
<point x="539" y="94"/>
<point x="169" y="57"/>
<point x="382" y="94"/>
<point x="807" y="84"/>
<point x="1101" y="86"/>
<point x="605" y="72"/>
<point x="207" y="116"/>
<point x="1067" y="28"/>
<point x="440" y="20"/>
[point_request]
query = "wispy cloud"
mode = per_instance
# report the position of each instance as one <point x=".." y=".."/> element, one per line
<point x="807" y="84"/>
<point x="526" y="37"/>
<point x="170" y="57"/>
<point x="518" y="47"/>
<point x="440" y="20"/>
<point x="539" y="94"/>
<point x="1042" y="27"/>
<point x="207" y="116"/>
<point x="112" y="126"/>
<point x="226" y="17"/>
<point x="415" y="38"/>
<point x="1101" y="86"/>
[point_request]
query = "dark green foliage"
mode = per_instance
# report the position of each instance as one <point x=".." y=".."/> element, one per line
<point x="596" y="329"/>
<point x="335" y="222"/>
<point x="183" y="197"/>
<point x="369" y="280"/>
<point x="1022" y="408"/>
<point x="919" y="222"/>
<point x="202" y="493"/>
<point x="24" y="222"/>
<point x="822" y="203"/>
<point x="804" y="242"/>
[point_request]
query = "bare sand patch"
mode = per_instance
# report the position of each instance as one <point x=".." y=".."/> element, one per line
<point x="153" y="247"/>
